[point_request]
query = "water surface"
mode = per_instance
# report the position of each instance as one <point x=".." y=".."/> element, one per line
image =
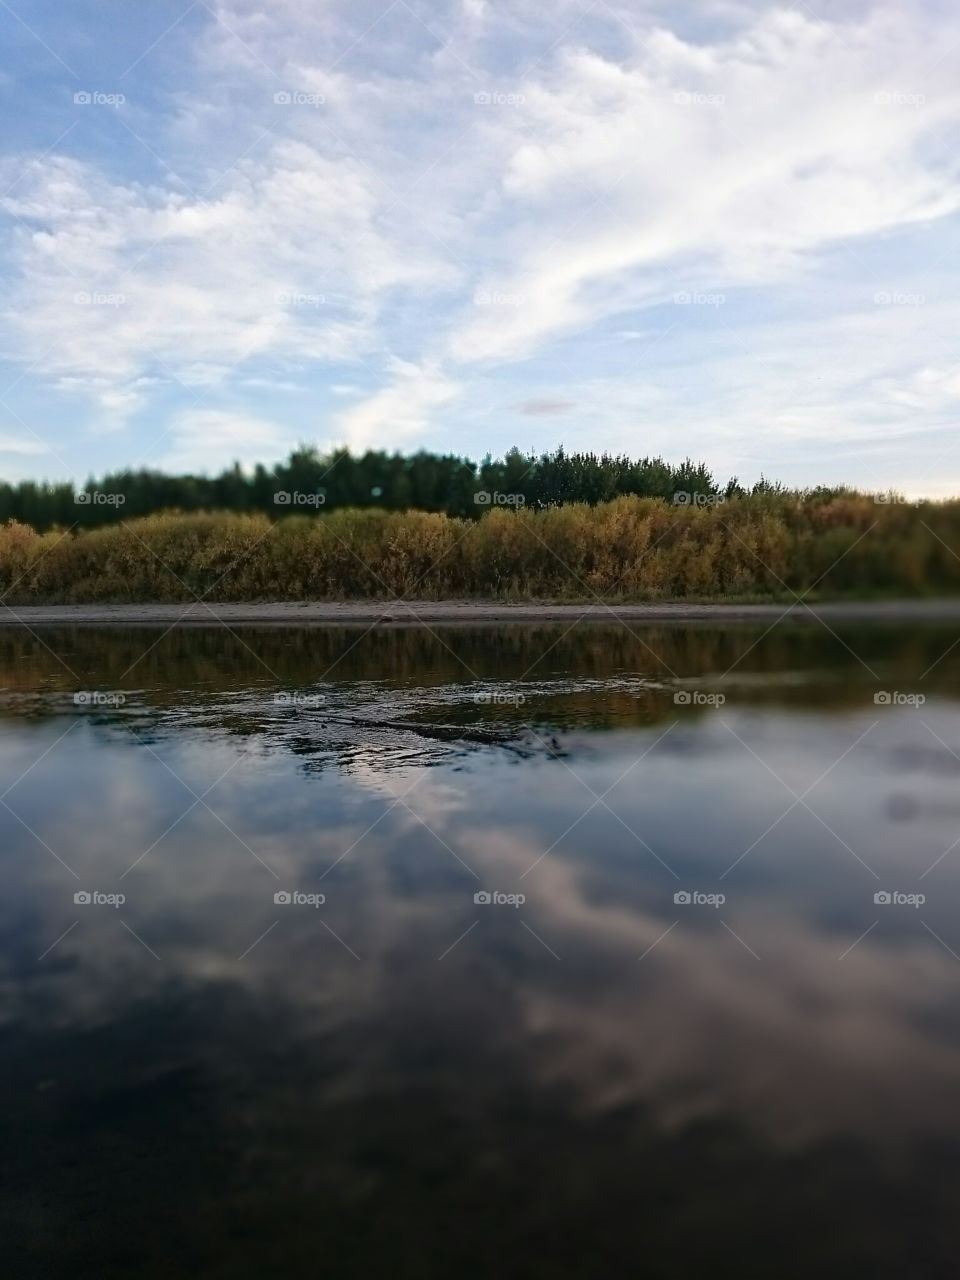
<point x="589" y="1076"/>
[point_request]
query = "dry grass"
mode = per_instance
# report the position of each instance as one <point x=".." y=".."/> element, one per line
<point x="630" y="548"/>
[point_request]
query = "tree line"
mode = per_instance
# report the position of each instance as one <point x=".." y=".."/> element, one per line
<point x="310" y="482"/>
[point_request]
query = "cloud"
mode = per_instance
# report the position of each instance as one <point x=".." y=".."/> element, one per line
<point x="210" y="440"/>
<point x="926" y="388"/>
<point x="121" y="282"/>
<point x="399" y="412"/>
<point x="404" y="229"/>
<point x="723" y="164"/>
<point x="25" y="446"/>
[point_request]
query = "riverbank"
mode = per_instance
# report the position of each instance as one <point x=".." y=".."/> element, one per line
<point x="632" y="549"/>
<point x="467" y="612"/>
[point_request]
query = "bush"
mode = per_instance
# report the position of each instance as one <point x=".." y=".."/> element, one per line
<point x="631" y="548"/>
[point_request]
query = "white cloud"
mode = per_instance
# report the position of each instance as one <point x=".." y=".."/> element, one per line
<point x="21" y="446"/>
<point x="926" y="388"/>
<point x="120" y="282"/>
<point x="210" y="440"/>
<point x="399" y="412"/>
<point x="626" y="153"/>
<point x="732" y="162"/>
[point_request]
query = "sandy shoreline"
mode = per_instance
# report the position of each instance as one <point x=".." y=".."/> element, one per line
<point x="394" y="613"/>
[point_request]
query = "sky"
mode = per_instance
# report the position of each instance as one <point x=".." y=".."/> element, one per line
<point x="723" y="230"/>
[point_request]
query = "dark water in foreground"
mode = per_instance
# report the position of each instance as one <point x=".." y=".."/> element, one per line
<point x="403" y="1081"/>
